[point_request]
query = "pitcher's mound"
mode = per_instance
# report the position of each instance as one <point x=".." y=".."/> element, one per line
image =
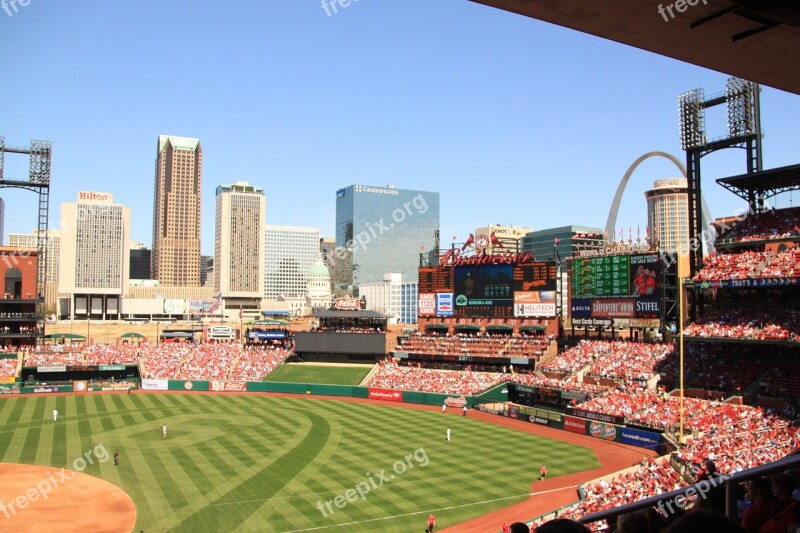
<point x="43" y="498"/>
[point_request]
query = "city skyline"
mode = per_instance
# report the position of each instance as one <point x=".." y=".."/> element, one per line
<point x="513" y="121"/>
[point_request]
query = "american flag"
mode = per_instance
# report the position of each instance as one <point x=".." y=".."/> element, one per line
<point x="214" y="305"/>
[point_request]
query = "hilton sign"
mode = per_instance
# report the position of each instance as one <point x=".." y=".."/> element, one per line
<point x="89" y="196"/>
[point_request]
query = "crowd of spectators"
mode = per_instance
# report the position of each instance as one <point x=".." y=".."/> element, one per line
<point x="772" y="224"/>
<point x="209" y="361"/>
<point x="475" y="345"/>
<point x="622" y="361"/>
<point x="8" y="367"/>
<point x="746" y="323"/>
<point x="391" y="375"/>
<point x="750" y="265"/>
<point x="54" y="358"/>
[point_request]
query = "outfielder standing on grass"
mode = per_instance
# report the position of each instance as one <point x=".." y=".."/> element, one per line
<point x="164" y="431"/>
<point x="55" y="415"/>
<point x="431" y="523"/>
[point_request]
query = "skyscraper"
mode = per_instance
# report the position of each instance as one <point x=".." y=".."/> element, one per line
<point x="176" y="211"/>
<point x="667" y="208"/>
<point x="239" y="241"/>
<point x="667" y="205"/>
<point x="140" y="261"/>
<point x="386" y="229"/>
<point x="95" y="256"/>
<point x="290" y="251"/>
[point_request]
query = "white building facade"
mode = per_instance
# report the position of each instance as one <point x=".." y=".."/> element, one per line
<point x="94" y="257"/>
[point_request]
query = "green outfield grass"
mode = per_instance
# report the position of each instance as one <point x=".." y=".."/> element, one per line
<point x="259" y="463"/>
<point x="328" y="375"/>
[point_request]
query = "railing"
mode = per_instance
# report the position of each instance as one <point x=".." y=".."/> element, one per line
<point x="701" y="488"/>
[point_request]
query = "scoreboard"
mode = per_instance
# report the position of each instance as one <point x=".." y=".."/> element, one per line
<point x="436" y="279"/>
<point x="626" y="288"/>
<point x="488" y="290"/>
<point x="535" y="276"/>
<point x="601" y="277"/>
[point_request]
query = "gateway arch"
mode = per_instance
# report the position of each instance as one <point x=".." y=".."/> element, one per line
<point x="612" y="214"/>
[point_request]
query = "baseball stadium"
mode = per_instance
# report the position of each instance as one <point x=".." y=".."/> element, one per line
<point x="622" y="387"/>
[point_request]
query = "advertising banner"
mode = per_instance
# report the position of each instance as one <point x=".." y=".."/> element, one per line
<point x="581" y="308"/>
<point x="575" y="425"/>
<point x="601" y="430"/>
<point x="600" y="417"/>
<point x="9" y="389"/>
<point x="427" y="304"/>
<point x="155" y="384"/>
<point x="80" y="385"/>
<point x="227" y="386"/>
<point x="115" y="386"/>
<point x="52" y="368"/>
<point x="112" y="367"/>
<point x="385" y="394"/>
<point x="638" y="437"/>
<point x="545" y="309"/>
<point x="455" y="402"/>
<point x="7" y="379"/>
<point x="174" y="307"/>
<point x="41" y="390"/>
<point x="613" y="307"/>
<point x="538" y="420"/>
<point x="266" y="334"/>
<point x="444" y="304"/>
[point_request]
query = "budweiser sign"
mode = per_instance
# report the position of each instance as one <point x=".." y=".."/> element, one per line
<point x="385" y="394"/>
<point x="454" y="257"/>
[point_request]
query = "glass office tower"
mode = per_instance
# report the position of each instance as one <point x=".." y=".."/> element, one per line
<point x="386" y="228"/>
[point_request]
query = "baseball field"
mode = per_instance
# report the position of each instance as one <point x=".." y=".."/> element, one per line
<point x="268" y="463"/>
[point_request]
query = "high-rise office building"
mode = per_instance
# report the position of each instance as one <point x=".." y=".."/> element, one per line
<point x="176" y="211"/>
<point x="667" y="205"/>
<point x="554" y="244"/>
<point x="289" y="252"/>
<point x="496" y="239"/>
<point x="140" y="261"/>
<point x="239" y="241"/>
<point x="393" y="297"/>
<point x="95" y="256"/>
<point x="387" y="229"/>
<point x="207" y="271"/>
<point x="667" y="218"/>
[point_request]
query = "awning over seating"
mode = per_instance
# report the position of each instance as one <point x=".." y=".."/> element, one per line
<point x="467" y="327"/>
<point x="64" y="336"/>
<point x="533" y="329"/>
<point x="436" y="326"/>
<point x="499" y="327"/>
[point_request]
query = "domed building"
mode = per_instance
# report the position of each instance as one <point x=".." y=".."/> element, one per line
<point x="318" y="291"/>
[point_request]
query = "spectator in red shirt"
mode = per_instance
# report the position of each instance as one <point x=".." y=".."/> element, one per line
<point x="759" y="491"/>
<point x="431" y="523"/>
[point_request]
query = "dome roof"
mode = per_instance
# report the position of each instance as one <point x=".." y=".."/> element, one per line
<point x="318" y="270"/>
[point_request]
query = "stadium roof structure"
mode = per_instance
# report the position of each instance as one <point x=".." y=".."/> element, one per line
<point x="753" y="40"/>
<point x="767" y="182"/>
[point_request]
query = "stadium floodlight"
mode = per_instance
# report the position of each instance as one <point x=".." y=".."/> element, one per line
<point x="740" y="97"/>
<point x="40" y="162"/>
<point x="693" y="119"/>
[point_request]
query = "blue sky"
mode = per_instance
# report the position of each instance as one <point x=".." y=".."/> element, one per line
<point x="510" y="119"/>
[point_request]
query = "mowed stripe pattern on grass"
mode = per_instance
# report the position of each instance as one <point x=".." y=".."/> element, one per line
<point x="258" y="463"/>
<point x="323" y="374"/>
